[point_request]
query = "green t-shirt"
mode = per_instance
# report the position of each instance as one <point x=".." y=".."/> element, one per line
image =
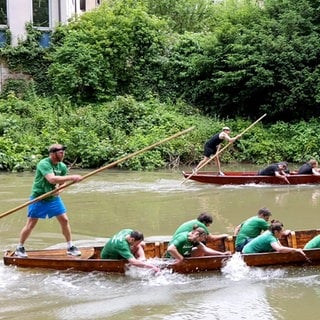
<point x="314" y="243"/>
<point x="183" y="244"/>
<point x="251" y="228"/>
<point x="188" y="226"/>
<point x="40" y="184"/>
<point x="118" y="247"/>
<point x="261" y="243"/>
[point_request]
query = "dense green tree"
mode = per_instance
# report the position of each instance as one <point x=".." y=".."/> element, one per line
<point x="231" y="58"/>
<point x="107" y="52"/>
<point x="184" y="15"/>
<point x="255" y="60"/>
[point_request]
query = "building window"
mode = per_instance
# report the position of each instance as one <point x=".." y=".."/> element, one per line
<point x="83" y="5"/>
<point x="3" y="12"/>
<point x="40" y="13"/>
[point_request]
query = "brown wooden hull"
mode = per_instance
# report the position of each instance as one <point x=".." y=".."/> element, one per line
<point x="89" y="260"/>
<point x="249" y="177"/>
<point x="202" y="264"/>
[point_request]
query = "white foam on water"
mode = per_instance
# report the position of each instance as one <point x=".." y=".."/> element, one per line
<point x="236" y="269"/>
<point x="157" y="186"/>
<point x="151" y="278"/>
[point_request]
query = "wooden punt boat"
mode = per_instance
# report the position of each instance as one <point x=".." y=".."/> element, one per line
<point x="90" y="258"/>
<point x="249" y="177"/>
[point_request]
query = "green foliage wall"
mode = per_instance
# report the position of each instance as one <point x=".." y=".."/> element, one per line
<point x="101" y="134"/>
<point x="107" y="52"/>
<point x="232" y="58"/>
<point x="131" y="72"/>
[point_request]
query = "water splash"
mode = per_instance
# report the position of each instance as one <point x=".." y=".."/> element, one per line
<point x="235" y="268"/>
<point x="151" y="278"/>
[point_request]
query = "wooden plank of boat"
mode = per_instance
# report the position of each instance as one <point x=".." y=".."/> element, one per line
<point x="88" y="261"/>
<point x="296" y="239"/>
<point x="58" y="259"/>
<point x="249" y="177"/>
<point x="90" y="258"/>
<point x="213" y="263"/>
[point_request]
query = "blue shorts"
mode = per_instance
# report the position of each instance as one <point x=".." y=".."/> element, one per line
<point x="43" y="209"/>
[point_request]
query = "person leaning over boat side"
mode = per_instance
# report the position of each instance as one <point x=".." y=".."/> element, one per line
<point x="310" y="167"/>
<point x="189" y="244"/>
<point x="276" y="169"/>
<point x="269" y="241"/>
<point x="213" y="145"/>
<point x="204" y="220"/>
<point x="51" y="173"/>
<point x="251" y="228"/>
<point x="127" y="244"/>
<point x="314" y="243"/>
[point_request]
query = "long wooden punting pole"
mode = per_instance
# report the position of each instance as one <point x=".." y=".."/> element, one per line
<point x="221" y="150"/>
<point x="110" y="165"/>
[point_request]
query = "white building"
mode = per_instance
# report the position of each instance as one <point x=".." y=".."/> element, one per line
<point x="43" y="14"/>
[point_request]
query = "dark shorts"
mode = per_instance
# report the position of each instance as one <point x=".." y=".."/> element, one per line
<point x="241" y="246"/>
<point x="43" y="209"/>
<point x="209" y="151"/>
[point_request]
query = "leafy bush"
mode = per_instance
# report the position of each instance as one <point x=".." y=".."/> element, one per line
<point x="100" y="134"/>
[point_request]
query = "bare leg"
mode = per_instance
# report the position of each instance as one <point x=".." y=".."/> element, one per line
<point x="65" y="226"/>
<point x="66" y="231"/>
<point x="201" y="163"/>
<point x="217" y="161"/>
<point x="26" y="230"/>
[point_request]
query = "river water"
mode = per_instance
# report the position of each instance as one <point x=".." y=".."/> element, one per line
<point x="155" y="203"/>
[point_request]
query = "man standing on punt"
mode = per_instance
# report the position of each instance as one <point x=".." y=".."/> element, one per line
<point x="212" y="147"/>
<point x="51" y="173"/>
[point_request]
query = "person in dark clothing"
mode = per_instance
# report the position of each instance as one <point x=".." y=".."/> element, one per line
<point x="212" y="147"/>
<point x="310" y="167"/>
<point x="276" y="169"/>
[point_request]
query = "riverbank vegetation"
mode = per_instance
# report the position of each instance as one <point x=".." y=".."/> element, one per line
<point x="102" y="133"/>
<point x="131" y="73"/>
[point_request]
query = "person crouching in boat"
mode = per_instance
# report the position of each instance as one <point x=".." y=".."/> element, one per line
<point x="189" y="244"/>
<point x="204" y="220"/>
<point x="310" y="167"/>
<point x="269" y="241"/>
<point x="251" y="228"/>
<point x="127" y="244"/>
<point x="276" y="169"/>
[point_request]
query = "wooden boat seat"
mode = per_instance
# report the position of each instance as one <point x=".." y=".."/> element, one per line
<point x="292" y="240"/>
<point x="229" y="244"/>
<point x="155" y="250"/>
<point x="298" y="239"/>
